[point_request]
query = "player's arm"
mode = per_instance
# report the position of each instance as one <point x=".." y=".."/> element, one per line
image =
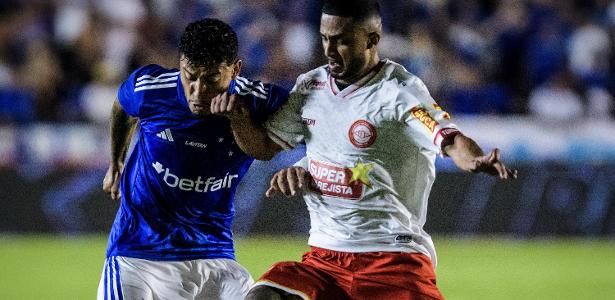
<point x="250" y="136"/>
<point x="431" y="128"/>
<point x="121" y="127"/>
<point x="264" y="118"/>
<point x="468" y="156"/>
<point x="127" y="109"/>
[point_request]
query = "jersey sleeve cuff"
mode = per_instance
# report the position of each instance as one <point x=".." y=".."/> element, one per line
<point x="445" y="137"/>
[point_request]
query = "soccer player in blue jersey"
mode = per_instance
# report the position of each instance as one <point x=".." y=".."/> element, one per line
<point x="172" y="237"/>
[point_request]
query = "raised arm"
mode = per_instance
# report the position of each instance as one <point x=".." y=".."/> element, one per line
<point x="468" y="156"/>
<point x="121" y="128"/>
<point x="250" y="136"/>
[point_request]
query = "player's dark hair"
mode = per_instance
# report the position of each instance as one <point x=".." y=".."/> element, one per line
<point x="9" y="8"/>
<point x="359" y="10"/>
<point x="208" y="42"/>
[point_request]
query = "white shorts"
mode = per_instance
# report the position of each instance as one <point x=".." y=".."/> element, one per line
<point x="132" y="278"/>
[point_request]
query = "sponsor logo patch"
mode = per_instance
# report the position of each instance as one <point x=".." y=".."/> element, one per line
<point x="359" y="173"/>
<point x="403" y="239"/>
<point x="314" y="84"/>
<point x="198" y="184"/>
<point x="195" y="144"/>
<point x="362" y="134"/>
<point x="335" y="181"/>
<point x="423" y="116"/>
<point x="438" y="108"/>
<point x="309" y="122"/>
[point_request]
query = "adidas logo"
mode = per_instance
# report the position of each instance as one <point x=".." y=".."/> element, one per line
<point x="166" y="135"/>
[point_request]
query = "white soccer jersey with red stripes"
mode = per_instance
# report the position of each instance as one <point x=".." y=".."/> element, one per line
<point x="371" y="149"/>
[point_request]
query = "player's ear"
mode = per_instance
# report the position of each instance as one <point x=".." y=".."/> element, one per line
<point x="372" y="40"/>
<point x="237" y="68"/>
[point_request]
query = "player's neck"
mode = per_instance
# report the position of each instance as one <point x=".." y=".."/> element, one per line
<point x="372" y="64"/>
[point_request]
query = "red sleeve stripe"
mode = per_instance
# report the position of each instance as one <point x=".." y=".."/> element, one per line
<point x="443" y="134"/>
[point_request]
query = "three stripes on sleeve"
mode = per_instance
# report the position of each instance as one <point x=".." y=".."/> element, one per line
<point x="243" y="86"/>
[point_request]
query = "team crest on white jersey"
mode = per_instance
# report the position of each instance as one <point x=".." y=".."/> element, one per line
<point x="362" y="134"/>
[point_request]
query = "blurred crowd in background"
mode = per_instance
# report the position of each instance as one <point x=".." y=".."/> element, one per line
<point x="544" y="68"/>
<point x="62" y="60"/>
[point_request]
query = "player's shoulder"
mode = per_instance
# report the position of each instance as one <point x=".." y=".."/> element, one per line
<point x="320" y="72"/>
<point x="398" y="75"/>
<point x="153" y="71"/>
<point x="313" y="79"/>
<point x="153" y="80"/>
<point x="405" y="88"/>
<point x="147" y="86"/>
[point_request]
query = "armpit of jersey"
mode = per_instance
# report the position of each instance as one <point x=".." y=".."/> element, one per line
<point x="262" y="99"/>
<point x="286" y="127"/>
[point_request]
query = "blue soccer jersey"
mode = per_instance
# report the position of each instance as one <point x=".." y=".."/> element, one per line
<point x="180" y="179"/>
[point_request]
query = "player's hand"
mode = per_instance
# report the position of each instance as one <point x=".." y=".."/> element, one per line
<point x="492" y="165"/>
<point x="291" y="180"/>
<point x="229" y="106"/>
<point x="111" y="183"/>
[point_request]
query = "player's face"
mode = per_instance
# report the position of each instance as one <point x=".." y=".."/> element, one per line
<point x="346" y="47"/>
<point x="201" y="84"/>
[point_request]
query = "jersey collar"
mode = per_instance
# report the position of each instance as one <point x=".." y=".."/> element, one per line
<point x="357" y="85"/>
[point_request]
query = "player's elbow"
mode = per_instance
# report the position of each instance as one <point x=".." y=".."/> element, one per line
<point x="266" y="151"/>
<point x="263" y="155"/>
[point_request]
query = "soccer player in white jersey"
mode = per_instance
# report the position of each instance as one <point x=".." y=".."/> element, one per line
<point x="172" y="236"/>
<point x="372" y="132"/>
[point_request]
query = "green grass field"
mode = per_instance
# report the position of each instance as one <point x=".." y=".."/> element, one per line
<point x="47" y="267"/>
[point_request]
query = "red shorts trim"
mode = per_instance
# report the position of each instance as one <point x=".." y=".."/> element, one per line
<point x="327" y="274"/>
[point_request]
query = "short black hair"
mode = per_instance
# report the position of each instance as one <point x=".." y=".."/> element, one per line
<point x="356" y="9"/>
<point x="9" y="8"/>
<point x="208" y="42"/>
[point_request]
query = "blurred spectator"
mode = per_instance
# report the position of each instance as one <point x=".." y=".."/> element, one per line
<point x="600" y="103"/>
<point x="16" y="103"/>
<point x="556" y="100"/>
<point x="589" y="51"/>
<point x="470" y="94"/>
<point x="61" y="61"/>
<point x="546" y="52"/>
<point x="509" y="28"/>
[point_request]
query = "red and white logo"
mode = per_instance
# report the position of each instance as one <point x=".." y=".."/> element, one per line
<point x="424" y="117"/>
<point x="309" y="122"/>
<point x="335" y="181"/>
<point x="314" y="84"/>
<point x="362" y="134"/>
